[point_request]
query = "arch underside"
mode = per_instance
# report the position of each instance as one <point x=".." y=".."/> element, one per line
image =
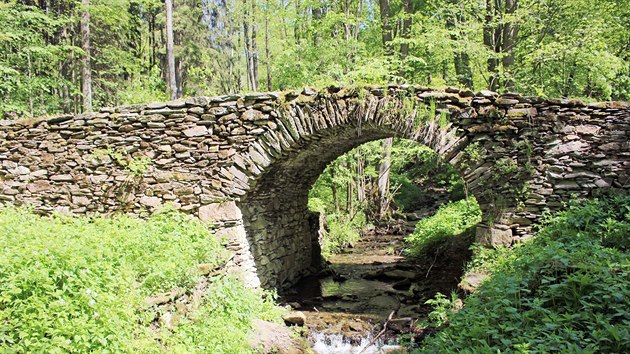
<point x="281" y="231"/>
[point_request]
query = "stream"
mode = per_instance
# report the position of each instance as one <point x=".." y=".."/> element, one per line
<point x="348" y="305"/>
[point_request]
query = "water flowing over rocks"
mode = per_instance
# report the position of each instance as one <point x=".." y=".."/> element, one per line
<point x="245" y="163"/>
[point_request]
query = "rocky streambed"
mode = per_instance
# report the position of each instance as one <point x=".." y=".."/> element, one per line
<point x="371" y="296"/>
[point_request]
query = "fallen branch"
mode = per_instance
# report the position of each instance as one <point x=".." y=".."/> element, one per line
<point x="379" y="333"/>
<point x="432" y="264"/>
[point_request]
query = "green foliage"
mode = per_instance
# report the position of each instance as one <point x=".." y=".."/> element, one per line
<point x="473" y="154"/>
<point x="343" y="231"/>
<point x="78" y="284"/>
<point x="573" y="48"/>
<point x="420" y="165"/>
<point x="566" y="291"/>
<point x="134" y="166"/>
<point x="28" y="61"/>
<point x="443" y="309"/>
<point x="486" y="260"/>
<point x="506" y="166"/>
<point x="408" y="197"/>
<point x="450" y="220"/>
<point x="222" y="323"/>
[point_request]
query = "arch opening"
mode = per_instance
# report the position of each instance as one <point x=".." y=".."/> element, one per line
<point x="282" y="232"/>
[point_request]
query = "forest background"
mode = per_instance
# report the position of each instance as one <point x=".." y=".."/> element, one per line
<point x="73" y="55"/>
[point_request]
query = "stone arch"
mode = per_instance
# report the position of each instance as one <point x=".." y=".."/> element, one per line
<point x="281" y="232"/>
<point x="229" y="159"/>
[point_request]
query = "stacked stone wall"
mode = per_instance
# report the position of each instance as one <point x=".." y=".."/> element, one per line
<point x="246" y="162"/>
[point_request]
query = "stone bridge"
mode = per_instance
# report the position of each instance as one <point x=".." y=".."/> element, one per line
<point x="246" y="163"/>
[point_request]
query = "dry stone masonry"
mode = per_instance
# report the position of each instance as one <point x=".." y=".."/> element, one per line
<point x="245" y="163"/>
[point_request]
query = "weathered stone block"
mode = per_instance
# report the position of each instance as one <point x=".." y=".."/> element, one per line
<point x="199" y="130"/>
<point x="62" y="178"/>
<point x="226" y="211"/>
<point x="493" y="237"/>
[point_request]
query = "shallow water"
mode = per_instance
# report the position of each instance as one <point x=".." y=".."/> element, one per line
<point x="338" y="344"/>
<point x="345" y="310"/>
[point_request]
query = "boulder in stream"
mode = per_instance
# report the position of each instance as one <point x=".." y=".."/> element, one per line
<point x="294" y="318"/>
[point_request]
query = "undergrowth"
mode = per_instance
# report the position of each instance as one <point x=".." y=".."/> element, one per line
<point x="343" y="231"/>
<point x="78" y="284"/>
<point x="565" y="291"/>
<point x="432" y="234"/>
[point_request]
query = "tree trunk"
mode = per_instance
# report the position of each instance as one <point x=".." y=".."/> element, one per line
<point x="86" y="67"/>
<point x="267" y="53"/>
<point x="406" y="27"/>
<point x="461" y="58"/>
<point x="463" y="70"/>
<point x="509" y="36"/>
<point x="335" y="191"/>
<point x="254" y="48"/>
<point x="490" y="40"/>
<point x="360" y="177"/>
<point x="386" y="26"/>
<point x="170" y="54"/>
<point x="349" y="199"/>
<point x="248" y="48"/>
<point x="383" y="177"/>
<point x="30" y="83"/>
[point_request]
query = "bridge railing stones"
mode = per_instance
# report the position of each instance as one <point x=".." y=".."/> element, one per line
<point x="246" y="162"/>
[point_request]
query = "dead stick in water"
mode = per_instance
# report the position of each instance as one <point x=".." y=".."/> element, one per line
<point x="379" y="333"/>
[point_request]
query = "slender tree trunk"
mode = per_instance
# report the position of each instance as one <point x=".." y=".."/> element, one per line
<point x="153" y="60"/>
<point x="30" y="83"/>
<point x="461" y="58"/>
<point x="170" y="54"/>
<point x="490" y="40"/>
<point x="296" y="26"/>
<point x="86" y="67"/>
<point x="349" y="199"/>
<point x="406" y="27"/>
<point x="267" y="53"/>
<point x="360" y="177"/>
<point x="386" y="26"/>
<point x="254" y="48"/>
<point x="383" y="177"/>
<point x="509" y="36"/>
<point x="463" y="69"/>
<point x="248" y="48"/>
<point x="335" y="191"/>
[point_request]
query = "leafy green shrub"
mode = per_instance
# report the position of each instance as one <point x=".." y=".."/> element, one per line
<point x="486" y="259"/>
<point x="443" y="308"/>
<point x="223" y="321"/>
<point x="565" y="291"/>
<point x="79" y="284"/>
<point x="343" y="231"/>
<point x="450" y="220"/>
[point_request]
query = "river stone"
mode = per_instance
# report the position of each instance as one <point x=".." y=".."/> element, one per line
<point x="400" y="274"/>
<point x="269" y="337"/>
<point x="294" y="318"/>
<point x="471" y="281"/>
